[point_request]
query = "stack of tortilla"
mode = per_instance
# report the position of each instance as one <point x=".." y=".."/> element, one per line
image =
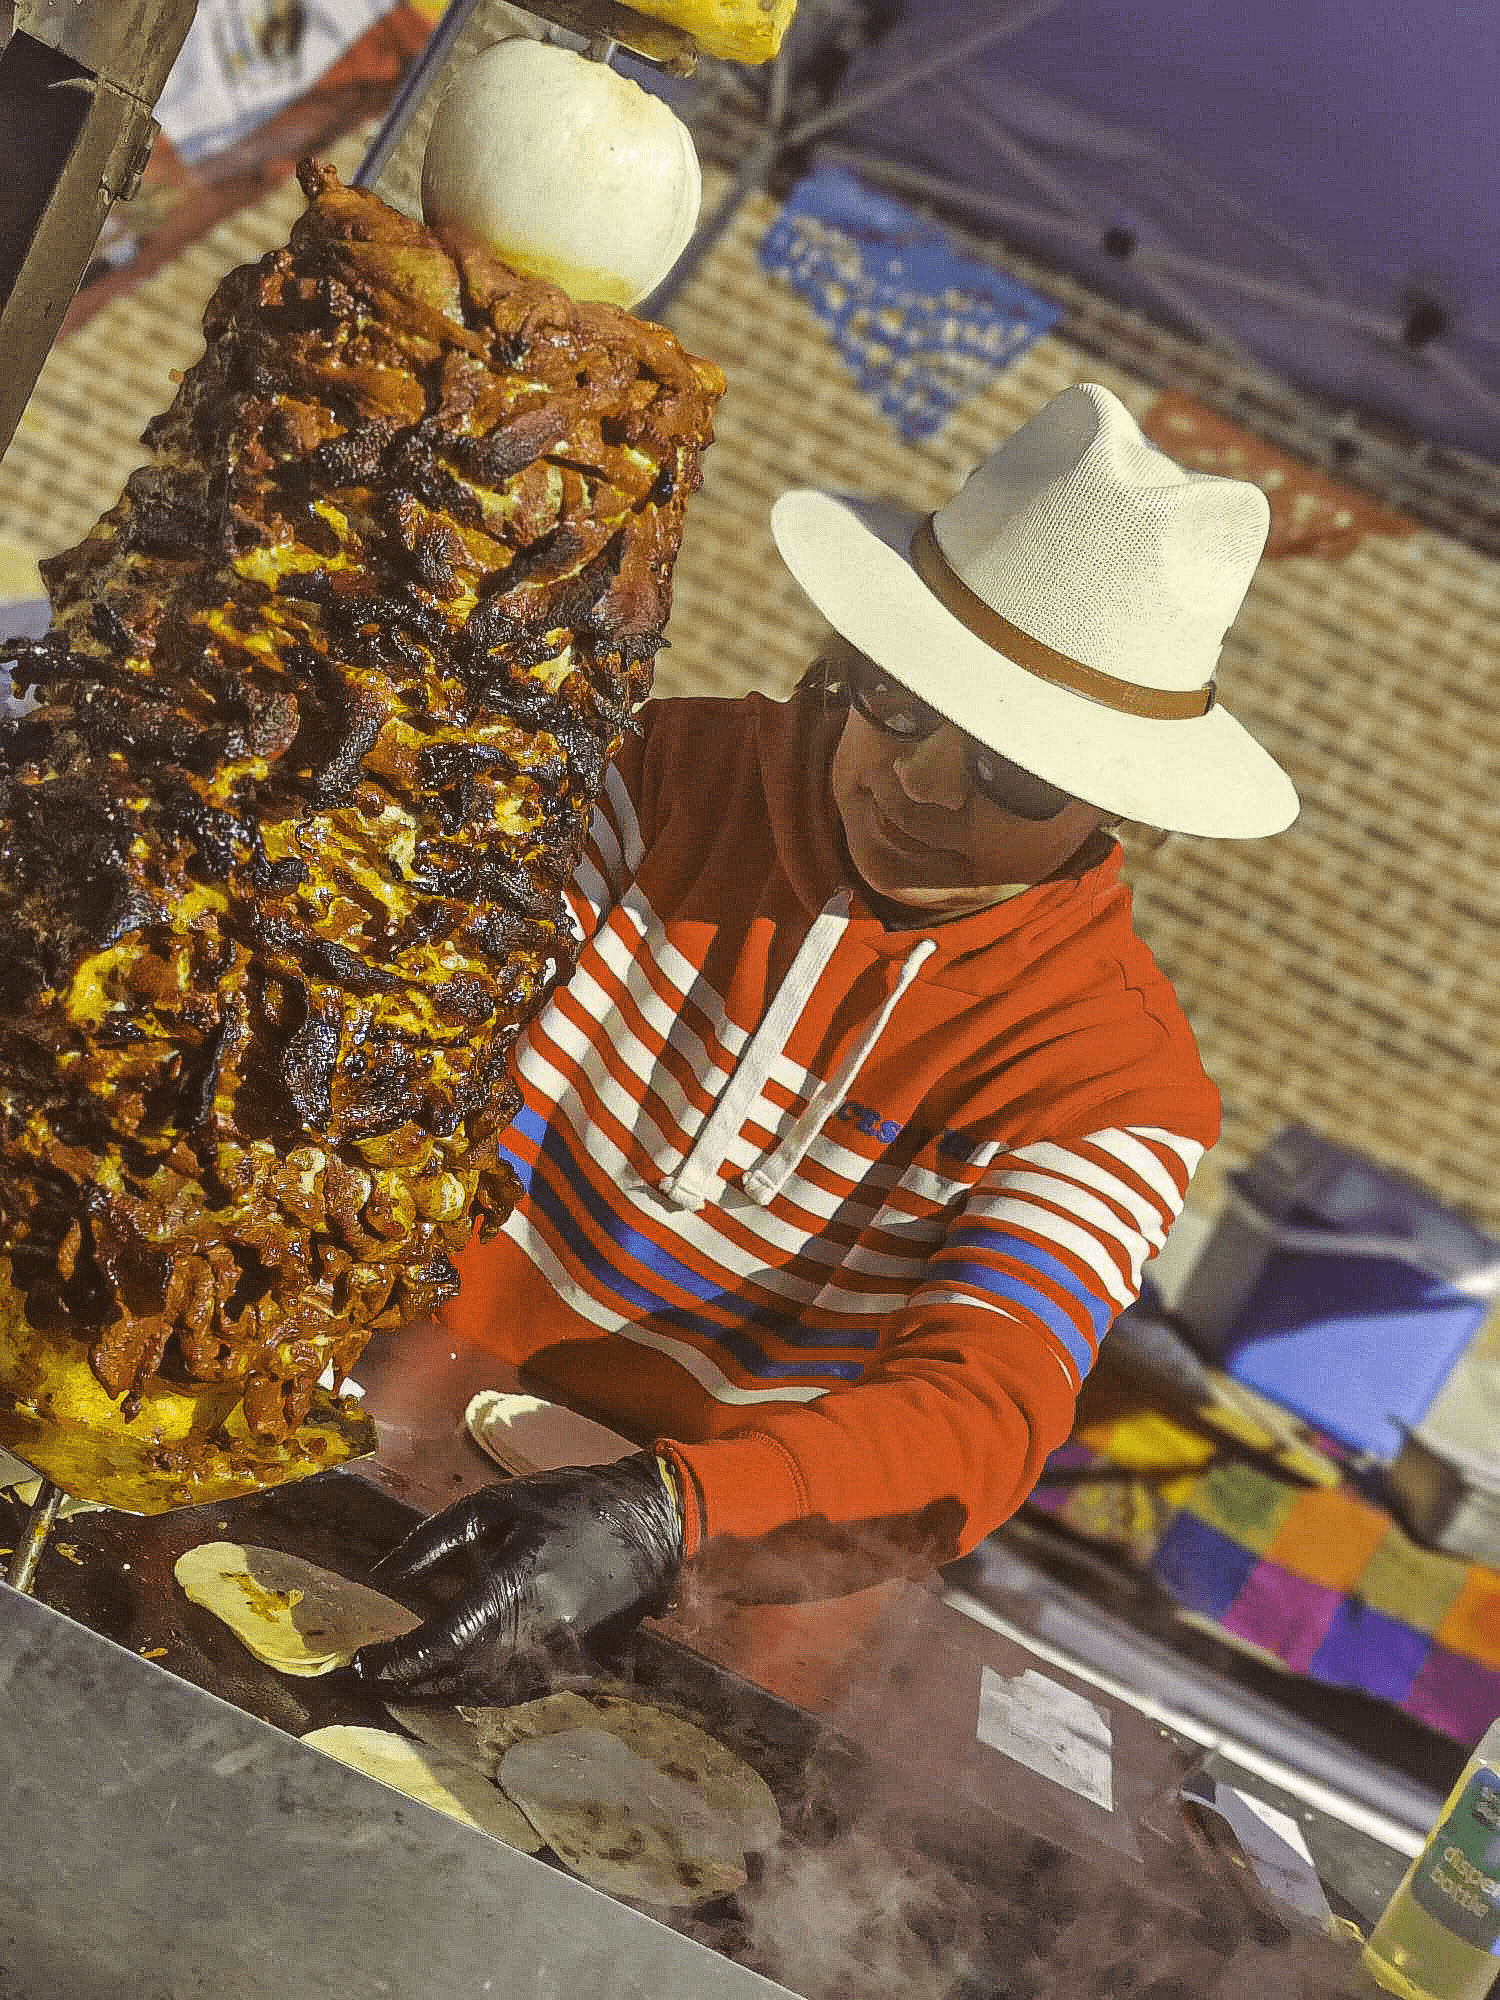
<point x="636" y="1800"/>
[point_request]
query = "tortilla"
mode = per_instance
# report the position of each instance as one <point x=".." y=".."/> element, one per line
<point x="429" y="1776"/>
<point x="620" y="1822"/>
<point x="290" y="1614"/>
<point x="444" y="1729"/>
<point x="679" y="1749"/>
<point x="525" y="1434"/>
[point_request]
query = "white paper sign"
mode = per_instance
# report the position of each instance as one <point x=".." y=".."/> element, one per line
<point x="1051" y="1730"/>
<point x="1283" y="1826"/>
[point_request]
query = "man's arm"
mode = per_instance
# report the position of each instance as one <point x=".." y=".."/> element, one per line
<point x="941" y="1439"/>
<point x="976" y="1383"/>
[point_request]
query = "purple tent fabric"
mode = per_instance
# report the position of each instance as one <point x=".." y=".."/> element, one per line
<point x="1327" y="179"/>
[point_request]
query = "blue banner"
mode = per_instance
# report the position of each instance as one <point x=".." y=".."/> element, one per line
<point x="921" y="327"/>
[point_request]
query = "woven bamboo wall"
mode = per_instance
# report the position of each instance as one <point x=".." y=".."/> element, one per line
<point x="1339" y="975"/>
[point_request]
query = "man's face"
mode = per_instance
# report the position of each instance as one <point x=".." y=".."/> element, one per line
<point x="920" y="829"/>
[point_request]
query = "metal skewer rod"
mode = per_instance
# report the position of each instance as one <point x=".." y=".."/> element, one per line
<point x="39" y="1521"/>
<point x="413" y="87"/>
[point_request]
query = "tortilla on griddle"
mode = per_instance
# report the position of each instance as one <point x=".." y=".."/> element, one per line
<point x="435" y="1779"/>
<point x="620" y="1822"/>
<point x="290" y="1614"/>
<point x="679" y="1749"/>
<point x="443" y="1729"/>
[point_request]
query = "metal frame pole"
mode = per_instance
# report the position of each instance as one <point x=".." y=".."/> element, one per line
<point x="40" y="1519"/>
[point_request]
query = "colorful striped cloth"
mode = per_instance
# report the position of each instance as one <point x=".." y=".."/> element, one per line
<point x="1322" y="1583"/>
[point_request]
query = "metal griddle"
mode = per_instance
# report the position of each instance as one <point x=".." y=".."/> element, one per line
<point x="111" y="1673"/>
<point x="111" y="1574"/>
<point x="159" y="1842"/>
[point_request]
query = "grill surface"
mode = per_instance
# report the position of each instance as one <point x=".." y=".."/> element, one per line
<point x="874" y="1888"/>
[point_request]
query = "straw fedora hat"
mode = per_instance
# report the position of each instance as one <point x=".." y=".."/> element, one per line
<point x="1067" y="608"/>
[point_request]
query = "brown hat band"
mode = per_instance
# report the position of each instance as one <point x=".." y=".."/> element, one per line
<point x="1157" y="704"/>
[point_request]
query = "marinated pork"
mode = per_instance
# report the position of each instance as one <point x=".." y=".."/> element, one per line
<point x="324" y="708"/>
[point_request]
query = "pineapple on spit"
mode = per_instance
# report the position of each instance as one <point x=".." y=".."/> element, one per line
<point x="323" y="711"/>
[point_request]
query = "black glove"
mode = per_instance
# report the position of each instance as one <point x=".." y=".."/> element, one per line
<point x="546" y="1561"/>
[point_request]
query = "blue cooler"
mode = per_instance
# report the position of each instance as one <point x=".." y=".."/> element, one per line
<point x="1342" y="1290"/>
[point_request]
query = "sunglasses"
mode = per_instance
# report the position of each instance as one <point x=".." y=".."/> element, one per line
<point x="897" y="711"/>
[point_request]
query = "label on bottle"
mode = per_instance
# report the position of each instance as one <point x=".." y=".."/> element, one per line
<point x="1457" y="1881"/>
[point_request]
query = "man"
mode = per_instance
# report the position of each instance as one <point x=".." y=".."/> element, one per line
<point x="855" y="1126"/>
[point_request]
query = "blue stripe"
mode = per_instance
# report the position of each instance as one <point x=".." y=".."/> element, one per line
<point x="533" y="1127"/>
<point x="750" y="1356"/>
<point x="531" y="1123"/>
<point x="609" y="1278"/>
<point x="1100" y="1311"/>
<point x="1011" y="1291"/>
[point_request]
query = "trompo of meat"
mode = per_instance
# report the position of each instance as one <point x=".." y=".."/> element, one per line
<point x="325" y="705"/>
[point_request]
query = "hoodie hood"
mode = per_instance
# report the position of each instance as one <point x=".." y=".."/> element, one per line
<point x="978" y="954"/>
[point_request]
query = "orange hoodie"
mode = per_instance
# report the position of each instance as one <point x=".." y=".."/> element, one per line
<point x="835" y="1214"/>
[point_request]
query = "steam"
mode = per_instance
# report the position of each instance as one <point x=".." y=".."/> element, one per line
<point x="1121" y="1947"/>
<point x="867" y="1914"/>
<point x="842" y="1922"/>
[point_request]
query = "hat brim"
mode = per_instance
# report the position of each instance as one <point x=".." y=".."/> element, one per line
<point x="1206" y="775"/>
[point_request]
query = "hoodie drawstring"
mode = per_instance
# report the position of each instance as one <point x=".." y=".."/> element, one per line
<point x="698" y="1180"/>
<point x="764" y="1182"/>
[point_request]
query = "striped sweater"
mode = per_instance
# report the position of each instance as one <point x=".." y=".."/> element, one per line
<point x="836" y="1214"/>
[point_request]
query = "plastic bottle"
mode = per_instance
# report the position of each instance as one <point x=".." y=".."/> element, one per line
<point x="1439" y="1937"/>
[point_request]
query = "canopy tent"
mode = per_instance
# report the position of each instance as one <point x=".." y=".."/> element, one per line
<point x="1308" y="184"/>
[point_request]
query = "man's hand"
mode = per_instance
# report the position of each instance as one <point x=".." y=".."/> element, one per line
<point x="544" y="1562"/>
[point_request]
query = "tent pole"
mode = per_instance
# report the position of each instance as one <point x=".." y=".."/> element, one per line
<point x="1024" y="160"/>
<point x="912" y="180"/>
<point x="754" y="168"/>
<point x="1036" y="171"/>
<point x="845" y="108"/>
<point x="1158" y="265"/>
<point x="1076" y="223"/>
<point x="1437" y="356"/>
<point x="758" y="163"/>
